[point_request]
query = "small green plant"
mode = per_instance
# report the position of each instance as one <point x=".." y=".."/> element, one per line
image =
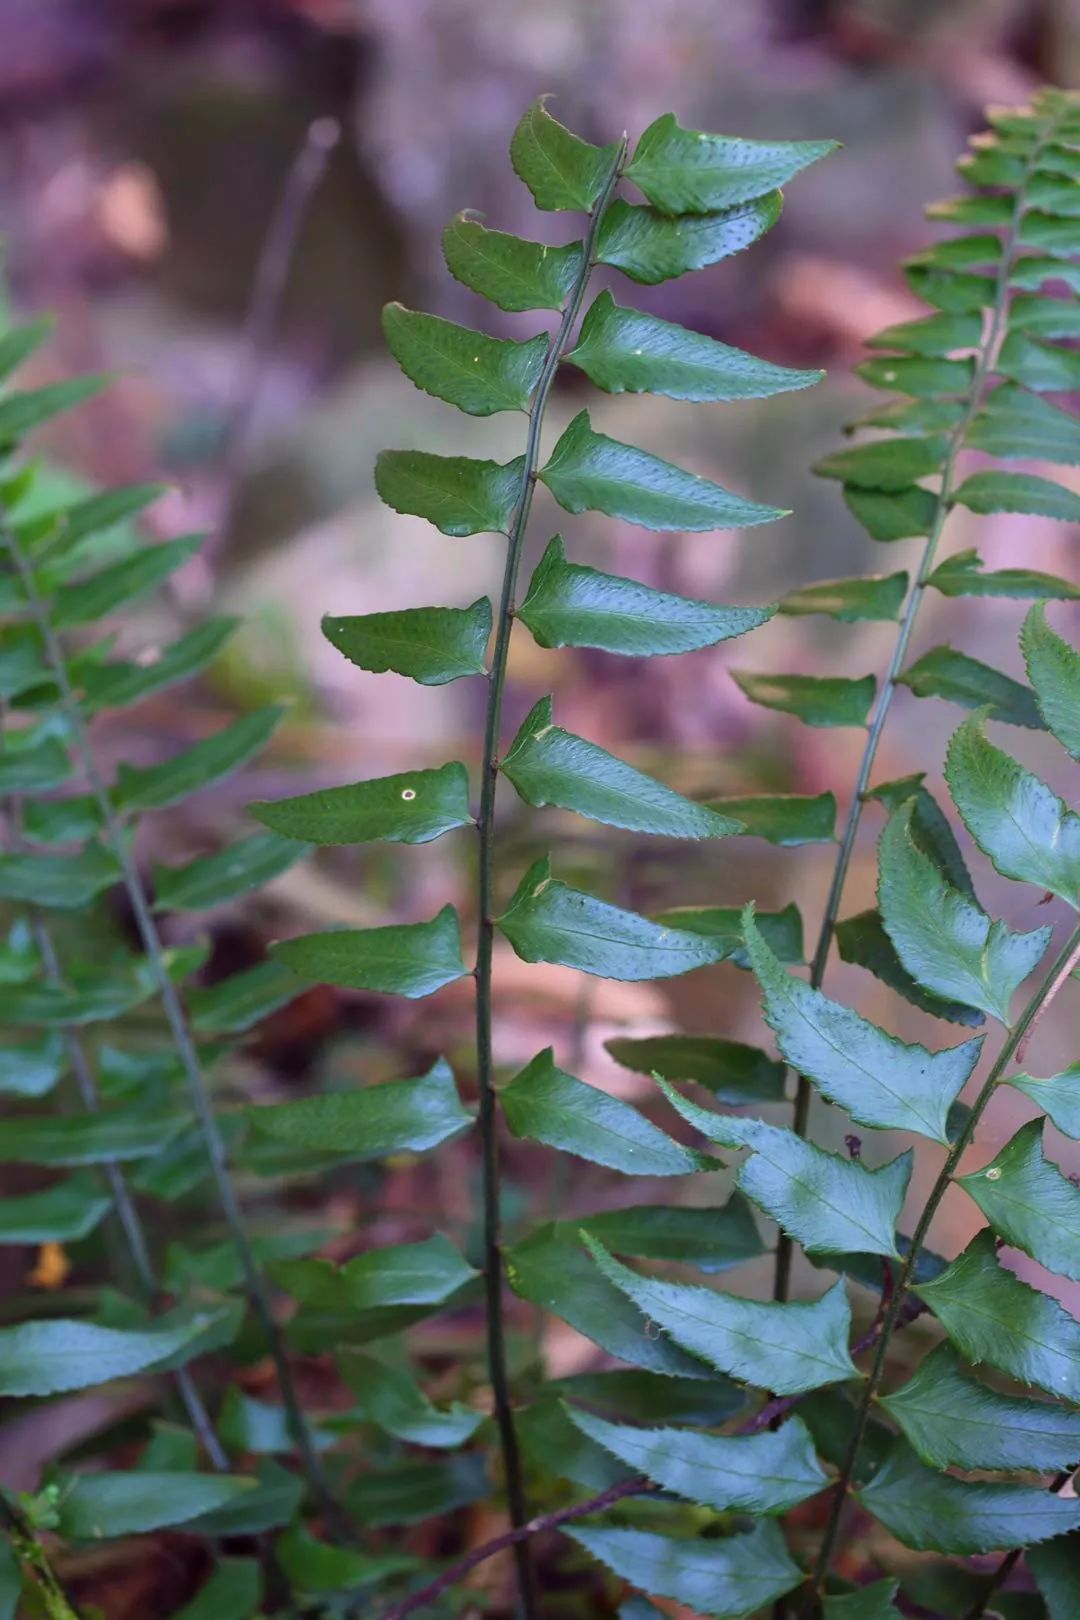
<point x="677" y="1475"/>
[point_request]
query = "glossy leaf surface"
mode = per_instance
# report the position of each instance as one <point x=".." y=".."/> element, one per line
<point x="411" y="808"/>
<point x="390" y="1397"/>
<point x="683" y="171"/>
<point x="589" y="472"/>
<point x="734" y="1073"/>
<point x="400" y="1116"/>
<point x="785" y="819"/>
<point x="952" y="1421"/>
<point x="934" y="1512"/>
<point x="515" y="274"/>
<point x="98" y="1506"/>
<point x="728" y="1579"/>
<point x="558" y="1276"/>
<point x="991" y="1316"/>
<point x="1058" y="1096"/>
<point x="571" y="606"/>
<point x="883" y="1082"/>
<point x="1018" y="492"/>
<point x="758" y="1473"/>
<point x="651" y="247"/>
<point x="544" y="1104"/>
<point x="830" y="1204"/>
<point x="1017" y="425"/>
<point x="407" y="959"/>
<point x="897" y="515"/>
<point x="787" y="1348"/>
<point x="426" y="1273"/>
<point x="878" y="596"/>
<point x="963" y="575"/>
<point x="49" y="1357"/>
<point x="931" y="334"/>
<point x="1053" y="667"/>
<point x="862" y="939"/>
<point x="1015" y="819"/>
<point x="59" y="882"/>
<point x="85" y="1138"/>
<point x="546" y="921"/>
<point x="479" y="374"/>
<point x="430" y="645"/>
<point x="817" y="700"/>
<point x="627" y="351"/>
<point x="1030" y="1203"/>
<point x="943" y="672"/>
<point x="560" y="169"/>
<point x="550" y="766"/>
<point x="712" y="1239"/>
<point x="723" y="924"/>
<point x="65" y="1213"/>
<point x="943" y="937"/>
<point x="889" y="464"/>
<point x="458" y="495"/>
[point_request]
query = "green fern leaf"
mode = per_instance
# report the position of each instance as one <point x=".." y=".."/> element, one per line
<point x="588" y="472"/>
<point x="943" y="937"/>
<point x="1054" y="670"/>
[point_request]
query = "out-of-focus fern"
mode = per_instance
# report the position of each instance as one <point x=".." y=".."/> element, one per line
<point x="145" y="1121"/>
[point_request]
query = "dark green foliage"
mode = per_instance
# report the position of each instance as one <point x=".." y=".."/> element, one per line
<point x="787" y="1348"/>
<point x="546" y="921"/>
<point x="696" y="1422"/>
<point x="546" y="1105"/>
<point x="548" y="765"/>
<point x="953" y="1421"/>
<point x="571" y="606"/>
<point x="588" y="472"/>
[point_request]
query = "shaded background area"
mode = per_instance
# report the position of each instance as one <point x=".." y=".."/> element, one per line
<point x="144" y="147"/>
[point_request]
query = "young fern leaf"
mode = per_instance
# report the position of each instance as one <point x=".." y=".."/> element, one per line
<point x="707" y="197"/>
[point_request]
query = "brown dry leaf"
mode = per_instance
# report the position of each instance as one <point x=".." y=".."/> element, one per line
<point x="51" y="1269"/>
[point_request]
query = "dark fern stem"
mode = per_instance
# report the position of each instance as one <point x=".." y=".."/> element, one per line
<point x="486" y="901"/>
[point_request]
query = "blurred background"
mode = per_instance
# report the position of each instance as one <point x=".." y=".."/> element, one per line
<point x="147" y="147"/>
